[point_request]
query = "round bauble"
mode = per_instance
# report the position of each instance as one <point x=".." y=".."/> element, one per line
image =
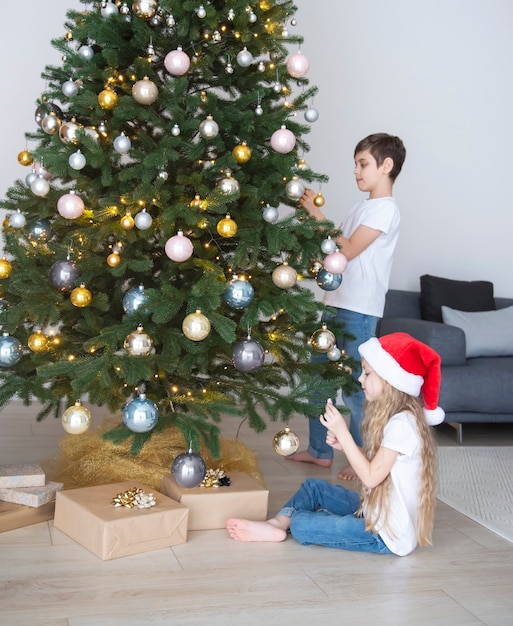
<point x="127" y="222"/>
<point x="11" y="350"/>
<point x="108" y="9"/>
<point x="41" y="231"/>
<point x="5" y="268"/>
<point x="145" y="8"/>
<point x="70" y="206"/>
<point x="227" y="227"/>
<point x="40" y="186"/>
<point x="76" y="419"/>
<point x="114" y="259"/>
<point x="81" y="296"/>
<point x="285" y="442"/>
<point x="177" y="62"/>
<point x="228" y="185"/>
<point x="319" y="200"/>
<point x="69" y="88"/>
<point x="138" y="343"/>
<point x="196" y="326"/>
<point x="238" y="294"/>
<point x="209" y="128"/>
<point x="122" y="144"/>
<point x="140" y="415"/>
<point x="241" y="153"/>
<point x="335" y="262"/>
<point x="77" y="160"/>
<point x="295" y="188"/>
<point x="134" y="299"/>
<point x="145" y="91"/>
<point x="108" y="99"/>
<point x="248" y="355"/>
<point x="328" y="281"/>
<point x="64" y="275"/>
<point x="244" y="58"/>
<point x="323" y="340"/>
<point x="17" y="219"/>
<point x="298" y="65"/>
<point x="38" y="342"/>
<point x="188" y="470"/>
<point x="51" y="124"/>
<point x="284" y="276"/>
<point x="143" y="220"/>
<point x="270" y="214"/>
<point x="25" y="158"/>
<point x="68" y="133"/>
<point x="311" y="114"/>
<point x="334" y="354"/>
<point x="283" y="140"/>
<point x="86" y="53"/>
<point x="30" y="178"/>
<point x="179" y="248"/>
<point x="328" y="245"/>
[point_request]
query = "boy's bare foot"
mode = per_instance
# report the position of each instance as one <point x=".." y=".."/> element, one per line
<point x="306" y="457"/>
<point x="245" y="530"/>
<point x="347" y="473"/>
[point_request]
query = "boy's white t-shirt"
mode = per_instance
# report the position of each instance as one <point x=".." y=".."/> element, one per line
<point x="400" y="434"/>
<point x="365" y="280"/>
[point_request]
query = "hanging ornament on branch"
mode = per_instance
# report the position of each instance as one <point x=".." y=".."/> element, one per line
<point x="63" y="275"/>
<point x="176" y="62"/>
<point x="70" y="206"/>
<point x="335" y="262"/>
<point x="188" y="469"/>
<point x="298" y="65"/>
<point x="145" y="91"/>
<point x="328" y="281"/>
<point x="81" y="296"/>
<point x="140" y="415"/>
<point x="247" y="355"/>
<point x="196" y="326"/>
<point x="134" y="299"/>
<point x="322" y="340"/>
<point x="283" y="140"/>
<point x="284" y="276"/>
<point x="285" y="442"/>
<point x="179" y="248"/>
<point x="239" y="293"/>
<point x="11" y="350"/>
<point x="76" y="419"/>
<point x="138" y="343"/>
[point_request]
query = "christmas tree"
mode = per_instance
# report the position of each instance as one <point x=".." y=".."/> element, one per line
<point x="157" y="261"/>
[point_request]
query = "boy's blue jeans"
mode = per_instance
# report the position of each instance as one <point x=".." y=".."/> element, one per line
<point x="322" y="514"/>
<point x="362" y="327"/>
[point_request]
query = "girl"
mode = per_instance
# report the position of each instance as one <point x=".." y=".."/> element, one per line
<point x="394" y="511"/>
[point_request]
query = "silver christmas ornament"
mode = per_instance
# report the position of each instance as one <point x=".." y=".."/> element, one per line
<point x="244" y="58"/>
<point x="328" y="245"/>
<point x="311" y="114"/>
<point x="270" y="214"/>
<point x="201" y="12"/>
<point x="145" y="8"/>
<point x="76" y="419"/>
<point x="285" y="442"/>
<point x="188" y="470"/>
<point x="248" y="355"/>
<point x="11" y="350"/>
<point x="143" y="220"/>
<point x="228" y="185"/>
<point x="175" y="131"/>
<point x="209" y="128"/>
<point x="138" y="343"/>
<point x="30" y="178"/>
<point x="70" y="88"/>
<point x="134" y="299"/>
<point x="295" y="188"/>
<point x="64" y="275"/>
<point x="41" y="231"/>
<point x="86" y="52"/>
<point x="17" y="220"/>
<point x="328" y="281"/>
<point x="68" y="133"/>
<point x="77" y="160"/>
<point x="108" y="9"/>
<point x="51" y="124"/>
<point x="334" y="354"/>
<point x="40" y="186"/>
<point x="122" y="144"/>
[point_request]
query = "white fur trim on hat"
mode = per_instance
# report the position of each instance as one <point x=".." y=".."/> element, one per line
<point x="384" y="364"/>
<point x="434" y="416"/>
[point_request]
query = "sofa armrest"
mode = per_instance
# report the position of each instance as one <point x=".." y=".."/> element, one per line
<point x="448" y="341"/>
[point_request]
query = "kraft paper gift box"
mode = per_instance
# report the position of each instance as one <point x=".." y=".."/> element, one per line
<point x="31" y="496"/>
<point x="14" y="516"/>
<point x="88" y="516"/>
<point x="26" y="475"/>
<point x="209" y="507"/>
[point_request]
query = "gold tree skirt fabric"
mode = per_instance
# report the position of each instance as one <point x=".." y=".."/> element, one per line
<point x="88" y="459"/>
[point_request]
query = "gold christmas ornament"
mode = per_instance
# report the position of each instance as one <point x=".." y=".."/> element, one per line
<point x="319" y="200"/>
<point x="76" y="419"/>
<point x="81" y="296"/>
<point x="323" y="340"/>
<point x="227" y="227"/>
<point x="285" y="442"/>
<point x="138" y="343"/>
<point x="25" y="158"/>
<point x="127" y="222"/>
<point x="108" y="99"/>
<point x="242" y="153"/>
<point x="5" y="268"/>
<point x="114" y="259"/>
<point x="145" y="91"/>
<point x="38" y="342"/>
<point x="284" y="276"/>
<point x="196" y="326"/>
<point x="145" y="8"/>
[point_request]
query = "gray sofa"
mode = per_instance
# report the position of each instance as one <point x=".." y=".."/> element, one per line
<point x="476" y="389"/>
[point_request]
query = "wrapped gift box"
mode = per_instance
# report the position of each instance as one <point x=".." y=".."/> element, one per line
<point x="31" y="496"/>
<point x="17" y="515"/>
<point x="210" y="507"/>
<point x="88" y="516"/>
<point x="28" y="475"/>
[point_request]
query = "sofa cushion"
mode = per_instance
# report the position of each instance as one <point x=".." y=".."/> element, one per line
<point x="487" y="333"/>
<point x="461" y="295"/>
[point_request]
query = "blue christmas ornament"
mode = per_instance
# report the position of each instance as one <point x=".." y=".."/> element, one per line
<point x="328" y="281"/>
<point x="238" y="294"/>
<point x="133" y="299"/>
<point x="11" y="350"/>
<point x="140" y="414"/>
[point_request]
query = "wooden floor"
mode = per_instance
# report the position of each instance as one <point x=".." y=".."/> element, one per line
<point x="48" y="579"/>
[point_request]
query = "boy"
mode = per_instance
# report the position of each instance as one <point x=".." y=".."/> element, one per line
<point x="370" y="233"/>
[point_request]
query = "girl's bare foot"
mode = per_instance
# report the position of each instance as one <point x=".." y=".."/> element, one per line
<point x="306" y="457"/>
<point x="246" y="530"/>
<point x="347" y="473"/>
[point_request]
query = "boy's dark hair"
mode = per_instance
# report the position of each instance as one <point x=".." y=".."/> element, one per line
<point x="381" y="146"/>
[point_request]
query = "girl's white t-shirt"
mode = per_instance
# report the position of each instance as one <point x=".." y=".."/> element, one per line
<point x="401" y="435"/>
<point x="365" y="280"/>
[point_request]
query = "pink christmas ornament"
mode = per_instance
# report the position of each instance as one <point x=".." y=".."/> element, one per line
<point x="335" y="263"/>
<point x="40" y="170"/>
<point x="177" y="62"/>
<point x="298" y="65"/>
<point x="283" y="140"/>
<point x="70" y="206"/>
<point x="179" y="248"/>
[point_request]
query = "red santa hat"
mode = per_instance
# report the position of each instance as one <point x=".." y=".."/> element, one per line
<point x="408" y="365"/>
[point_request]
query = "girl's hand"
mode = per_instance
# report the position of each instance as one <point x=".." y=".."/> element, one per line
<point x="332" y="441"/>
<point x="334" y="420"/>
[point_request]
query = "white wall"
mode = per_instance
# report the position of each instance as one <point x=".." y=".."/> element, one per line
<point x="437" y="73"/>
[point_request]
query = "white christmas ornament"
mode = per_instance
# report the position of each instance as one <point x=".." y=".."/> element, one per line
<point x="77" y="160"/>
<point x="122" y="144"/>
<point x="298" y="65"/>
<point x="283" y="140"/>
<point x="177" y="62"/>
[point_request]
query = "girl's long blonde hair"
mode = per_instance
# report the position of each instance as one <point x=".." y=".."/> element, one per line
<point x="376" y="416"/>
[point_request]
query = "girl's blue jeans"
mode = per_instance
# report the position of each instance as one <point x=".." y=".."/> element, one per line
<point x="323" y="514"/>
<point x="362" y="327"/>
